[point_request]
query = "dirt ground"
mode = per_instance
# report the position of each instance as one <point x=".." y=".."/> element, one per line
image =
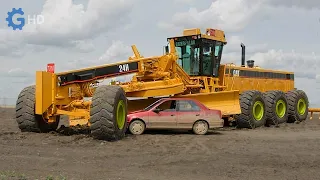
<point x="291" y="152"/>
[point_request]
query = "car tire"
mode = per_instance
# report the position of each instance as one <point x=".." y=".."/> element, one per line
<point x="137" y="127"/>
<point x="200" y="127"/>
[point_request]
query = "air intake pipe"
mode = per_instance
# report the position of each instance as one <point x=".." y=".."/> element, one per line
<point x="250" y="63"/>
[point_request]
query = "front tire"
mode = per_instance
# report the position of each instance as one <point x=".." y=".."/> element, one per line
<point x="108" y="114"/>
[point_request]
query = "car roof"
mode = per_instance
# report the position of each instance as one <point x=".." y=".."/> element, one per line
<point x="177" y="98"/>
<point x="180" y="98"/>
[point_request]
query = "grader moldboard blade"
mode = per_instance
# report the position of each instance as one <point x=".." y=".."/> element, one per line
<point x="226" y="101"/>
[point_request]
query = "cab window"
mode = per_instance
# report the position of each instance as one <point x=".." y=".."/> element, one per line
<point x="187" y="105"/>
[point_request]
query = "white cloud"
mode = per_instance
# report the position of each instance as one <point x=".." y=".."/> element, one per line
<point x="304" y="65"/>
<point x="64" y="19"/>
<point x="234" y="45"/>
<point x="309" y="4"/>
<point x="69" y="25"/>
<point x="118" y="51"/>
<point x="229" y="15"/>
<point x="185" y="1"/>
<point x="83" y="46"/>
<point x="232" y="15"/>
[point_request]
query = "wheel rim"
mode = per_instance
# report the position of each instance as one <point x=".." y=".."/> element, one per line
<point x="301" y="106"/>
<point x="137" y="128"/>
<point x="258" y="110"/>
<point x="281" y="108"/>
<point x="201" y="127"/>
<point x="121" y="115"/>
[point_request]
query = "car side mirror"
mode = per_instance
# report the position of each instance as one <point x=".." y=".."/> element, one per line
<point x="157" y="110"/>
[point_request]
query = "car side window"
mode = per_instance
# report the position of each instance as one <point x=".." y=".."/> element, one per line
<point x="168" y="106"/>
<point x="188" y="105"/>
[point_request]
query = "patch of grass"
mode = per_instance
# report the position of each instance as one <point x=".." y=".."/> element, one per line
<point x="4" y="175"/>
<point x="13" y="175"/>
<point x="50" y="177"/>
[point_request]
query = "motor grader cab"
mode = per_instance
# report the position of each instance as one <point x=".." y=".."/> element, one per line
<point x="190" y="68"/>
<point x="200" y="54"/>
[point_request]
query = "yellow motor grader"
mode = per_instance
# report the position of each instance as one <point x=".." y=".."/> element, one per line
<point x="247" y="95"/>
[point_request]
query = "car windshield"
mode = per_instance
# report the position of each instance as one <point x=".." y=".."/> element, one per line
<point x="151" y="105"/>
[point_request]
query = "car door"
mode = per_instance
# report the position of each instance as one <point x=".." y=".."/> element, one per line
<point x="188" y="113"/>
<point x="166" y="118"/>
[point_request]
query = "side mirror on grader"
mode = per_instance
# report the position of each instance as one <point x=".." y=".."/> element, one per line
<point x="166" y="49"/>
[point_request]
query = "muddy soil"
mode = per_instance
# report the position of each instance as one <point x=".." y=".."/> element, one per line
<point x="291" y="151"/>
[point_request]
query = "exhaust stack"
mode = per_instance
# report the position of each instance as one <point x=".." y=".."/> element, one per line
<point x="243" y="52"/>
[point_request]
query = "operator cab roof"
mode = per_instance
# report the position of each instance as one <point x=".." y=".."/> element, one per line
<point x="211" y="34"/>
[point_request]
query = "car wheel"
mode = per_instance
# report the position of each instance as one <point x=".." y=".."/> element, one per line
<point x="200" y="127"/>
<point x="137" y="127"/>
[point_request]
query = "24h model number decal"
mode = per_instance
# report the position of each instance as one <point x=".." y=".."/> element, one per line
<point x="124" y="68"/>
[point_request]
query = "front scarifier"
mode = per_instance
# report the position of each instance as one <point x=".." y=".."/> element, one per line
<point x="298" y="106"/>
<point x="276" y="107"/>
<point x="253" y="111"/>
<point x="26" y="118"/>
<point x="108" y="113"/>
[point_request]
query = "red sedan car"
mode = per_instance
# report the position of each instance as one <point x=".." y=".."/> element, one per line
<point x="175" y="113"/>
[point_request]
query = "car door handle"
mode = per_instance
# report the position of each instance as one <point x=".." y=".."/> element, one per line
<point x="197" y="114"/>
<point x="172" y="114"/>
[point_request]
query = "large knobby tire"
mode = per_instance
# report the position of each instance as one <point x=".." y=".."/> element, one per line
<point x="276" y="107"/>
<point x="26" y="118"/>
<point x="108" y="114"/>
<point x="253" y="111"/>
<point x="298" y="104"/>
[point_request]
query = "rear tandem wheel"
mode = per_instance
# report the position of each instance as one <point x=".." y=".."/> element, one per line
<point x="253" y="111"/>
<point x="298" y="104"/>
<point x="276" y="107"/>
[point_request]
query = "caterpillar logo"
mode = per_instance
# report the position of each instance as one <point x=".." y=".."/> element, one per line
<point x="236" y="72"/>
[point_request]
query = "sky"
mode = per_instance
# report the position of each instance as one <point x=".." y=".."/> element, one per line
<point x="281" y="35"/>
